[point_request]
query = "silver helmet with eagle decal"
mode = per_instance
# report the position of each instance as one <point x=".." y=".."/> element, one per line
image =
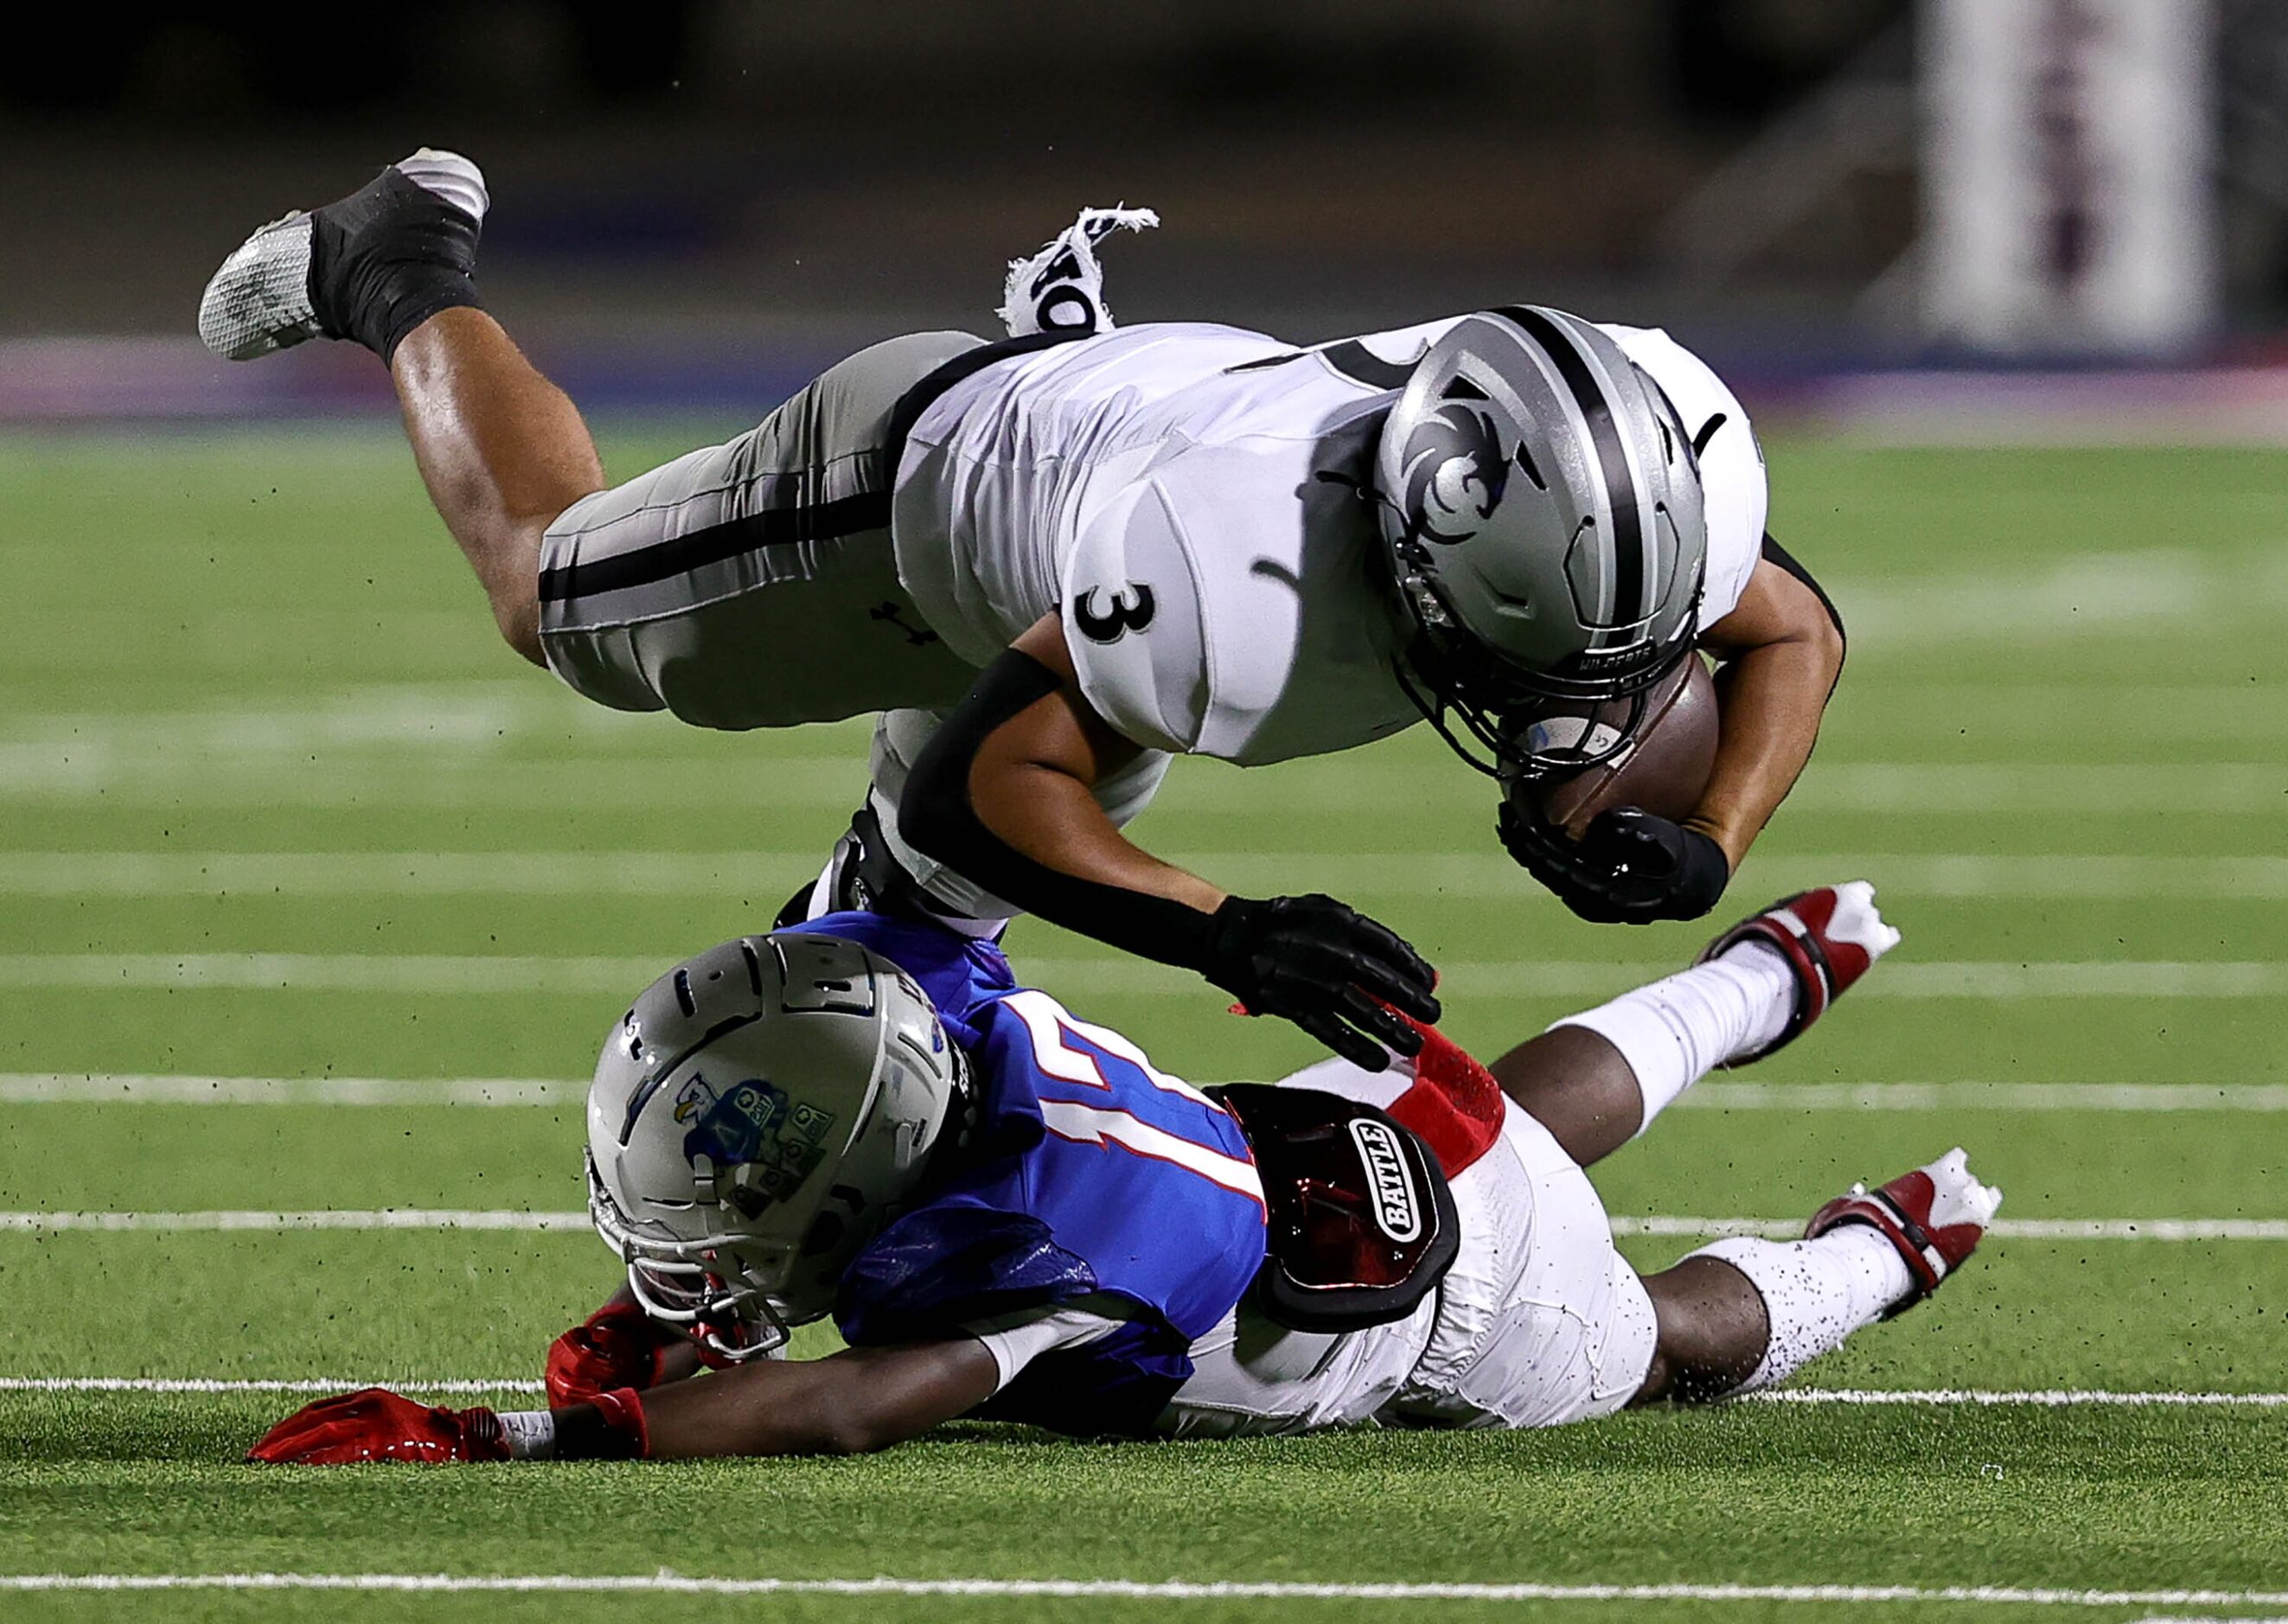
<point x="755" y="1118"/>
<point x="1542" y="513"/>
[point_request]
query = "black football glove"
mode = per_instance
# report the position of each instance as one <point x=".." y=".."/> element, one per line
<point x="1629" y="868"/>
<point x="1323" y="966"/>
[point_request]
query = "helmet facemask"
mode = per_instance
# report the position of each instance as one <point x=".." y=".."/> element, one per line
<point x="1515" y="718"/>
<point x="1543" y="519"/>
<point x="702" y="1287"/>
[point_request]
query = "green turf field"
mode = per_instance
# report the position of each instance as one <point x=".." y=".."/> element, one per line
<point x="277" y="807"/>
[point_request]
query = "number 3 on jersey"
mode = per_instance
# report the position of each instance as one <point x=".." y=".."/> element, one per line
<point x="1131" y="611"/>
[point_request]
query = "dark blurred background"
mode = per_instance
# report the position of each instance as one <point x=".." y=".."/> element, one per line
<point x="743" y="190"/>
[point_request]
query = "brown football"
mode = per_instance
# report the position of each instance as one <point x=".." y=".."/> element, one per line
<point x="1663" y="771"/>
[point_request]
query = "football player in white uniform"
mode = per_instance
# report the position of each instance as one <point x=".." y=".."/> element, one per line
<point x="1053" y="561"/>
<point x="1010" y="1212"/>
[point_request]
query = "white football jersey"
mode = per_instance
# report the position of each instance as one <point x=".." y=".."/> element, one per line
<point x="1164" y="486"/>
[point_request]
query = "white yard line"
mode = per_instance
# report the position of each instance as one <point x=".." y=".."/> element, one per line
<point x="2001" y="1229"/>
<point x="2095" y="594"/>
<point x="1921" y="789"/>
<point x="334" y="971"/>
<point x="2041" y="1398"/>
<point x="1987" y="981"/>
<point x="471" y="722"/>
<point x="1490" y="875"/>
<point x="477" y="783"/>
<point x="1971" y="1096"/>
<point x="1625" y="1225"/>
<point x="323" y="1218"/>
<point x="97" y="1088"/>
<point x="473" y="873"/>
<point x="462" y="766"/>
<point x="1123" y="1589"/>
<point x="102" y="1088"/>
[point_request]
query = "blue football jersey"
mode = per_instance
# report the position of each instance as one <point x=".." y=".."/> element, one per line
<point x="1093" y="1174"/>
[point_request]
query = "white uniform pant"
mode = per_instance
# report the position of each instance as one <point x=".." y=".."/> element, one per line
<point x="1540" y="1321"/>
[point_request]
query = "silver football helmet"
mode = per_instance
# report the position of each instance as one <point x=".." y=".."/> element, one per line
<point x="1541" y="510"/>
<point x="755" y="1118"/>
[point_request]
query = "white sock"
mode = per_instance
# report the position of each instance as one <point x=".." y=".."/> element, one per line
<point x="530" y="1434"/>
<point x="1675" y="1031"/>
<point x="1061" y="288"/>
<point x="1815" y="1293"/>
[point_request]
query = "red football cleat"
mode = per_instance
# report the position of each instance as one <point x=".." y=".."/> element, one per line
<point x="1829" y="936"/>
<point x="1934" y="1215"/>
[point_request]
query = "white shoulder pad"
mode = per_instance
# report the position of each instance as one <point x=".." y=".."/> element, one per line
<point x="1731" y="461"/>
<point x="1134" y="624"/>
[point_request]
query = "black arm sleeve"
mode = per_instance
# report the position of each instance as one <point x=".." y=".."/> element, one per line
<point x="938" y="818"/>
<point x="1788" y="561"/>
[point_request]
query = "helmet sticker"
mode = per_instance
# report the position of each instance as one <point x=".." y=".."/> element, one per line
<point x="751" y="1124"/>
<point x="1455" y="474"/>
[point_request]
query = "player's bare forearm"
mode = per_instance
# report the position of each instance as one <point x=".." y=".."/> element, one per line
<point x="1052" y="817"/>
<point x="852" y="1402"/>
<point x="1004" y="794"/>
<point x="1033" y="785"/>
<point x="1029" y="781"/>
<point x="1783" y="652"/>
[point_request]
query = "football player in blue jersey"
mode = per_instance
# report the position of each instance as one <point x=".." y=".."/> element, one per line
<point x="1009" y="1212"/>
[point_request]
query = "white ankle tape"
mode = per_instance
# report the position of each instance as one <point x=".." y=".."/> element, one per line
<point x="530" y="1434"/>
<point x="1674" y="1031"/>
<point x="1815" y="1293"/>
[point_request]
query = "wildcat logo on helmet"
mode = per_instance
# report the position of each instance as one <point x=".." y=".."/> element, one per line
<point x="1455" y="474"/>
<point x="752" y="1123"/>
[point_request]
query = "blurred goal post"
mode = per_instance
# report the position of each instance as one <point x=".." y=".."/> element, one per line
<point x="2069" y="204"/>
